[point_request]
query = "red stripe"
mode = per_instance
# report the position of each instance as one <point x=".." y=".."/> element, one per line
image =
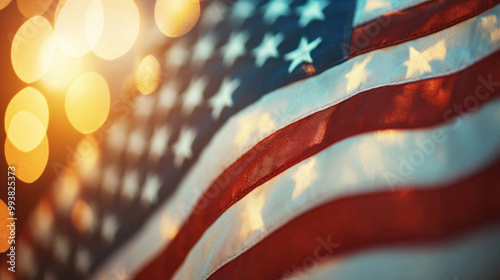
<point x="405" y="216"/>
<point x="415" y="22"/>
<point x="413" y="105"/>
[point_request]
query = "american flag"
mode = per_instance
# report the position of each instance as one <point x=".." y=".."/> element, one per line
<point x="297" y="139"/>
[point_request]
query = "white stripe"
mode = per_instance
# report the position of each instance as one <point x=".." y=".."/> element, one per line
<point x="367" y="10"/>
<point x="466" y="44"/>
<point x="354" y="166"/>
<point x="474" y="256"/>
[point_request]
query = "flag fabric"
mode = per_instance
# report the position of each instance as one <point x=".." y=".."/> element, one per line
<point x="321" y="139"/>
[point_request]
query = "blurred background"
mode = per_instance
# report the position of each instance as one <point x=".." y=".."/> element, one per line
<point x="67" y="69"/>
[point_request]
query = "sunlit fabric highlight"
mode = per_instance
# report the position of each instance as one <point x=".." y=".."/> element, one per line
<point x="4" y="230"/>
<point x="147" y="75"/>
<point x="120" y="29"/>
<point x="30" y="8"/>
<point x="29" y="166"/>
<point x="78" y="26"/>
<point x="33" y="48"/>
<point x="175" y="18"/>
<point x="4" y="3"/>
<point x="87" y="102"/>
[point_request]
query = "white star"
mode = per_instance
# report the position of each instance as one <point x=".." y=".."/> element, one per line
<point x="137" y="142"/>
<point x="61" y="248"/>
<point x="177" y="55"/>
<point x="159" y="142"/>
<point x="109" y="227"/>
<point x="83" y="260"/>
<point x="490" y="24"/>
<point x="151" y="188"/>
<point x="419" y="61"/>
<point x="167" y="96"/>
<point x="194" y="95"/>
<point x="111" y="179"/>
<point x="204" y="48"/>
<point x="130" y="184"/>
<point x="275" y="9"/>
<point x="183" y="147"/>
<point x="268" y="48"/>
<point x="302" y="53"/>
<point x="358" y="74"/>
<point x="234" y="48"/>
<point x="242" y="10"/>
<point x="224" y="97"/>
<point x="312" y="10"/>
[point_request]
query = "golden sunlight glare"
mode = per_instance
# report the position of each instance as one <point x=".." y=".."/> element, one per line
<point x="175" y="18"/>
<point x="33" y="48"/>
<point x="63" y="70"/>
<point x="87" y="102"/>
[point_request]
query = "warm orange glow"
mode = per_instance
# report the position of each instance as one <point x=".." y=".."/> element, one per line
<point x="30" y="8"/>
<point x="29" y="100"/>
<point x="29" y="166"/>
<point x="4" y="3"/>
<point x="26" y="131"/>
<point x="4" y="230"/>
<point x="87" y="102"/>
<point x="81" y="216"/>
<point x="147" y="75"/>
<point x="175" y="18"/>
<point x="120" y="30"/>
<point x="63" y="70"/>
<point x="33" y="48"/>
<point x="78" y="26"/>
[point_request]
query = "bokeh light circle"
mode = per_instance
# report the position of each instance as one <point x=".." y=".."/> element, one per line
<point x="147" y="74"/>
<point x="27" y="119"/>
<point x="30" y="8"/>
<point x="78" y="26"/>
<point x="30" y="165"/>
<point x="120" y="29"/>
<point x="4" y="230"/>
<point x="4" y="3"/>
<point x="87" y="102"/>
<point x="33" y="49"/>
<point x="175" y="18"/>
<point x="26" y="131"/>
